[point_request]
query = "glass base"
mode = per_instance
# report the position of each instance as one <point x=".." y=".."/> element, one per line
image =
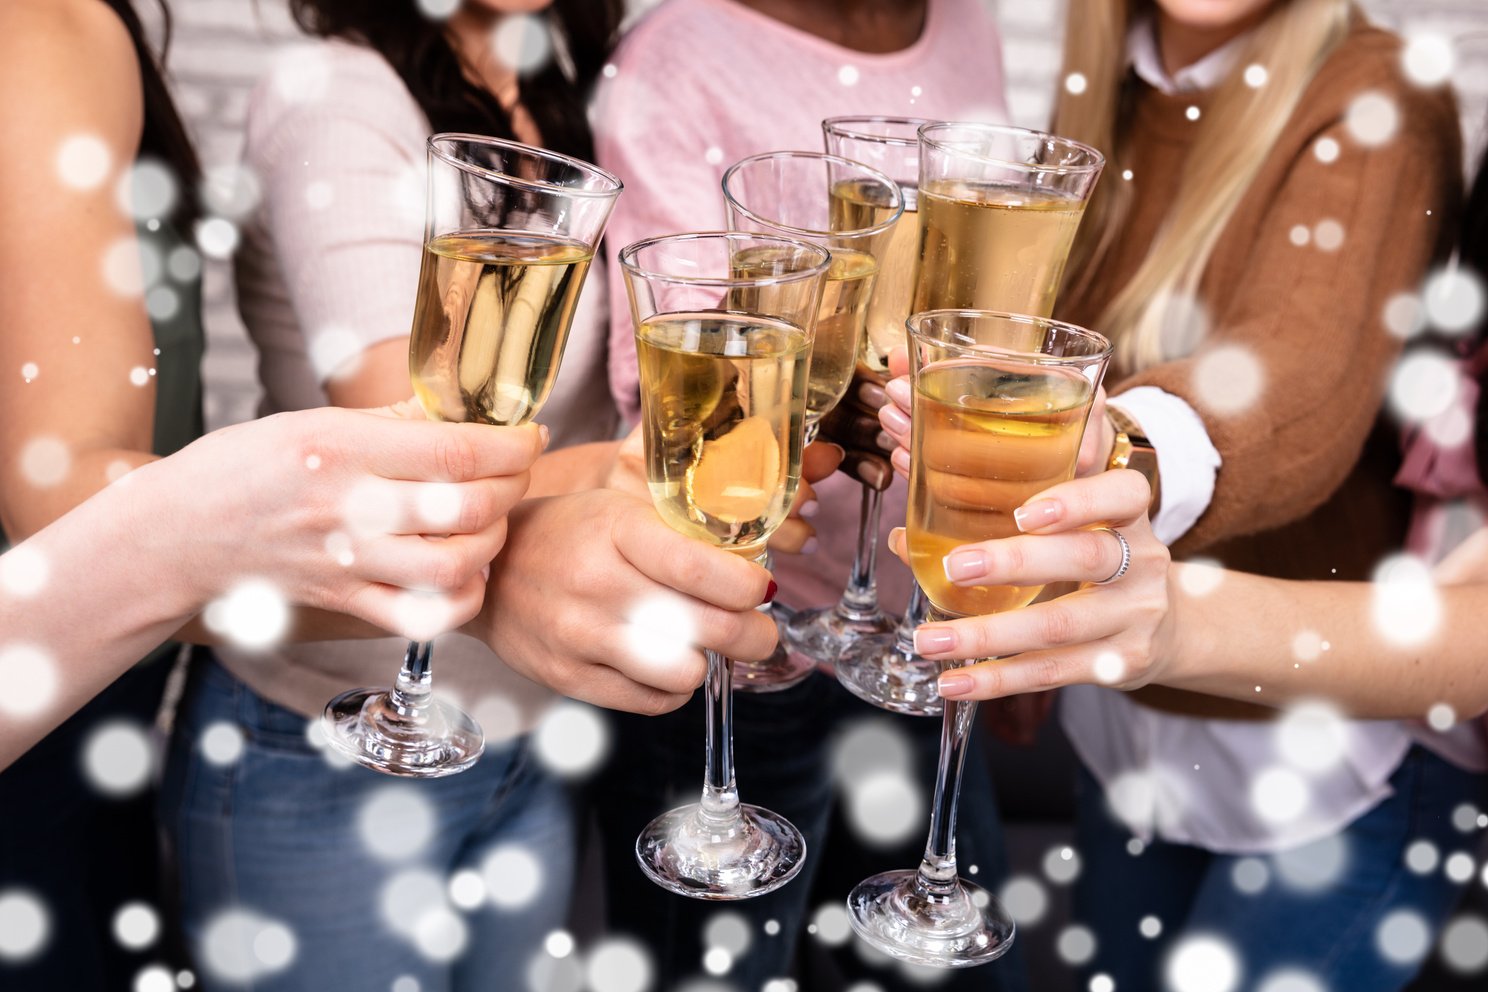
<point x="884" y="671"/>
<point x="370" y="729"/>
<point x="897" y="915"/>
<point x="782" y="670"/>
<point x="720" y="856"/>
<point x="825" y="633"/>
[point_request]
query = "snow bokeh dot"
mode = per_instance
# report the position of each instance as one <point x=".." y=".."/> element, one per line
<point x="1291" y="980"/>
<point x="154" y="978"/>
<point x="1312" y="867"/>
<point x="147" y="190"/>
<point x="522" y="43"/>
<point x="1150" y="927"/>
<point x="254" y="615"/>
<point x="513" y="876"/>
<point x="1062" y="864"/>
<point x="466" y="889"/>
<point x="1075" y="83"/>
<point x="1203" y="964"/>
<point x="1326" y="150"/>
<point x="571" y="740"/>
<point x="396" y="823"/>
<point x="660" y="630"/>
<point x="222" y="743"/>
<point x="830" y="925"/>
<point x="438" y="10"/>
<point x="1256" y="75"/>
<point x="1406" y="605"/>
<point x="1200" y="577"/>
<point x="25" y="926"/>
<point x="729" y="931"/>
<point x="1024" y="899"/>
<point x="619" y="965"/>
<point x="1229" y="379"/>
<point x="1102" y="983"/>
<point x="239" y="945"/>
<point x="1459" y="867"/>
<point x="1402" y="937"/>
<point x="1422" y="857"/>
<point x="136" y="926"/>
<point x="1464" y="945"/>
<point x="24" y="571"/>
<point x="118" y="758"/>
<point x="83" y="161"/>
<point x="1454" y="299"/>
<point x="217" y="237"/>
<point x="1279" y="795"/>
<point x="1428" y="59"/>
<point x="1312" y="736"/>
<point x="1404" y="315"/>
<point x="45" y="461"/>
<point x="848" y="75"/>
<point x="1441" y="717"/>
<point x="1423" y="385"/>
<point x="439" y="934"/>
<point x="885" y="808"/>
<point x="1371" y="119"/>
<point x="1075" y="945"/>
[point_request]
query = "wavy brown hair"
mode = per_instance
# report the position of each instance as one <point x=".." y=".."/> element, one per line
<point x="555" y="94"/>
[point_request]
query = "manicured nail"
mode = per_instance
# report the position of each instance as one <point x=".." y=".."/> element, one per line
<point x="1040" y="513"/>
<point x="893" y="419"/>
<point x="808" y="509"/>
<point x="934" y="640"/>
<point x="963" y="565"/>
<point x="544" y="435"/>
<point x="872" y="473"/>
<point x="770" y="591"/>
<point x="900" y="458"/>
<point x="896" y="539"/>
<point x="872" y="394"/>
<point x="810" y="546"/>
<point x="952" y="684"/>
<point x="898" y="390"/>
<point x="886" y="441"/>
<point x="841" y="452"/>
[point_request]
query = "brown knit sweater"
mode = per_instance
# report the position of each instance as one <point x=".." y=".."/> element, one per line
<point x="1300" y="494"/>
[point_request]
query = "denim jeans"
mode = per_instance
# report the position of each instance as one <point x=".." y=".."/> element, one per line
<point x="783" y="747"/>
<point x="353" y="863"/>
<point x="1316" y="909"/>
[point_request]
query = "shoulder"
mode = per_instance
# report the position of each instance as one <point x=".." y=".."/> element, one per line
<point x="319" y="82"/>
<point x="674" y="26"/>
<point x="1364" y="80"/>
<point x="77" y="63"/>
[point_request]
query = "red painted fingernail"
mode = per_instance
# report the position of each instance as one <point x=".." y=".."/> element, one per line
<point x="770" y="591"/>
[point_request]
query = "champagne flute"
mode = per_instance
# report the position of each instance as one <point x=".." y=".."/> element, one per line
<point x="724" y="322"/>
<point x="998" y="208"/>
<point x="891" y="145"/>
<point x="509" y="233"/>
<point x="1000" y="405"/>
<point x="852" y="211"/>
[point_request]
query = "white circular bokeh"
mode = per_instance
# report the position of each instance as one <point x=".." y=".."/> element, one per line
<point x="25" y="926"/>
<point x="136" y="926"/>
<point x="117" y="758"/>
<point x="396" y="823"/>
<point x="619" y="965"/>
<point x="513" y="876"/>
<point x="571" y="740"/>
<point x="30" y="677"/>
<point x="1203" y="964"/>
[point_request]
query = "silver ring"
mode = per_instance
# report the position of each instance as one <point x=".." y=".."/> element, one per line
<point x="1125" y="556"/>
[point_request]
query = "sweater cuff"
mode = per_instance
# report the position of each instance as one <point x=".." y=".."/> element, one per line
<point x="1187" y="461"/>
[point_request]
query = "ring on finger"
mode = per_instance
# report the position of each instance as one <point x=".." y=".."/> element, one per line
<point x="1126" y="556"/>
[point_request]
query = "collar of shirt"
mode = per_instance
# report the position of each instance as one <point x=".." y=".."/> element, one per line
<point x="1145" y="57"/>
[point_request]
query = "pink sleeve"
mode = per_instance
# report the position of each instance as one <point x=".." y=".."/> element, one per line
<point x="655" y="132"/>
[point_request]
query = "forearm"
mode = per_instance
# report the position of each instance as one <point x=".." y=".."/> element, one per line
<point x="92" y="618"/>
<point x="27" y="505"/>
<point x="1320" y="640"/>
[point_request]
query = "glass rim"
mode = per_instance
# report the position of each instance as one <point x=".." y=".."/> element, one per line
<point x="628" y="263"/>
<point x="435" y="142"/>
<point x="862" y="232"/>
<point x="1097" y="163"/>
<point x="838" y="126"/>
<point x="915" y="325"/>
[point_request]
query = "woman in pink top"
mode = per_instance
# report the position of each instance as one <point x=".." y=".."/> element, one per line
<point x="694" y="87"/>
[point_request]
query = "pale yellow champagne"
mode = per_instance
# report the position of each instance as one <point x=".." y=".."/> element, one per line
<point x="990" y="247"/>
<point x="491" y="320"/>
<point x="987" y="437"/>
<point x="721" y="416"/>
<point x="856" y="205"/>
<point x="839" y="324"/>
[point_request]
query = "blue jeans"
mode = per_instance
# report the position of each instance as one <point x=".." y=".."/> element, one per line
<point x="783" y="746"/>
<point x="282" y="834"/>
<point x="1326" y="926"/>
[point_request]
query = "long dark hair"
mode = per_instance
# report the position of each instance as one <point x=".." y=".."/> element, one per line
<point x="1473" y="256"/>
<point x="416" y="48"/>
<point x="165" y="136"/>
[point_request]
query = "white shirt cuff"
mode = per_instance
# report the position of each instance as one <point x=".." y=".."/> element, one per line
<point x="1187" y="461"/>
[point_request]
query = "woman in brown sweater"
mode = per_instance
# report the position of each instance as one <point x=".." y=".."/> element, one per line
<point x="1272" y="182"/>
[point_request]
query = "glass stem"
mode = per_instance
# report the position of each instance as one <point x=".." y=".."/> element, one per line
<point x="720" y="804"/>
<point x="412" y="691"/>
<point x="914" y="615"/>
<point x="860" y="599"/>
<point x="937" y="875"/>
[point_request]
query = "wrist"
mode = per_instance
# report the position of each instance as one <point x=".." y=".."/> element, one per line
<point x="1130" y="449"/>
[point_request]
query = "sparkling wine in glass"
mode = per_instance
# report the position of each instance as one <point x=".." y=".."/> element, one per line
<point x="509" y="234"/>
<point x="852" y="211"/>
<point x="724" y="348"/>
<point x="892" y="146"/>
<point x="998" y="208"/>
<point x="1000" y="405"/>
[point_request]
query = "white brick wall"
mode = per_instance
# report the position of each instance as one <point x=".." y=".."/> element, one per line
<point x="221" y="46"/>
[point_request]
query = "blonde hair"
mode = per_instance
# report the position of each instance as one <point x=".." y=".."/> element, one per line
<point x="1148" y="318"/>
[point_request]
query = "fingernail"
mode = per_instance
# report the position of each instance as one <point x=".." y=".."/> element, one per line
<point x="1039" y="513"/>
<point x="962" y="565"/>
<point x="770" y="591"/>
<point x="872" y="395"/>
<point x="893" y="418"/>
<point x="898" y="390"/>
<point x="900" y="458"/>
<point x="872" y="473"/>
<point x="544" y="434"/>
<point x="810" y="546"/>
<point x="841" y="452"/>
<point x="809" y="508"/>
<point x="951" y="684"/>
<point x="934" y="640"/>
<point x="896" y="538"/>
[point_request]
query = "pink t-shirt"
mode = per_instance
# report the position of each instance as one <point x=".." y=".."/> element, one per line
<point x="698" y="85"/>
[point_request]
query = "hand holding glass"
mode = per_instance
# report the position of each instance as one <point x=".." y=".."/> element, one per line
<point x="509" y="234"/>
